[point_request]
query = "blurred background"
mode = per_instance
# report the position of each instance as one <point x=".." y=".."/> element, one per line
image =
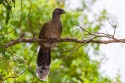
<point x="91" y="63"/>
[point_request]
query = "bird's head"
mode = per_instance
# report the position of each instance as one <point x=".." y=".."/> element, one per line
<point x="58" y="12"/>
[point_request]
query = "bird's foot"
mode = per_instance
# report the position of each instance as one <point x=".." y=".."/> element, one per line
<point x="50" y="40"/>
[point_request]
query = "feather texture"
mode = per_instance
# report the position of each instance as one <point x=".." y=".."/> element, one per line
<point x="50" y="30"/>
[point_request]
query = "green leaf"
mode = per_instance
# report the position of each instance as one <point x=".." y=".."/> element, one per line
<point x="13" y="2"/>
<point x="9" y="7"/>
<point x="1" y="1"/>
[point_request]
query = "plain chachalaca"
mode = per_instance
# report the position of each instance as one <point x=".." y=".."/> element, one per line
<point x="50" y="30"/>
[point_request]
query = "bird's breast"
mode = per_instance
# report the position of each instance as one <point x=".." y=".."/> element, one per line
<point x="54" y="31"/>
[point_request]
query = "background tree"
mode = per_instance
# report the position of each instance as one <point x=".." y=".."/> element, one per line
<point x="18" y="63"/>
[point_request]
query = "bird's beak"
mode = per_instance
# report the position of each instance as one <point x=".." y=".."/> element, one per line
<point x="63" y="12"/>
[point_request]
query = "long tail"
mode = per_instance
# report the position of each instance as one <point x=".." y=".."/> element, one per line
<point x="43" y="63"/>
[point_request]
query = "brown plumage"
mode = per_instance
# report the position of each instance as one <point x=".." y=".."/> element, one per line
<point x="50" y="30"/>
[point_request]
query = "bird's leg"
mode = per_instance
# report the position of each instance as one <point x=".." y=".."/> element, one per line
<point x="50" y="40"/>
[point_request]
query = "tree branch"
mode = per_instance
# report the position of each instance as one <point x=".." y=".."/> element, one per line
<point x="36" y="40"/>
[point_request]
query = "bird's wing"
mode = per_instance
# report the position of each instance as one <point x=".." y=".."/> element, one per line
<point x="44" y="29"/>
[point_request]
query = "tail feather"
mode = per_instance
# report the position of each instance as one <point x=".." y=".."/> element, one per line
<point x="43" y="63"/>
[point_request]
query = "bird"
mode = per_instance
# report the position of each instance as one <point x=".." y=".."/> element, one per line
<point x="50" y="30"/>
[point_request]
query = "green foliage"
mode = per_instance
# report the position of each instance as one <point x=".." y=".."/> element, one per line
<point x="17" y="63"/>
<point x="8" y="5"/>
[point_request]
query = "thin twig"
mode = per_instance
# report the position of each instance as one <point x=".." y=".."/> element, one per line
<point x="84" y="29"/>
<point x="114" y="26"/>
<point x="78" y="48"/>
<point x="17" y="75"/>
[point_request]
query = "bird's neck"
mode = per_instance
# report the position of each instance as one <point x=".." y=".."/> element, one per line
<point x="56" y="19"/>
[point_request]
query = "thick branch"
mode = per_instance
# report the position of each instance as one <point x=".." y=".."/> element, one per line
<point x="36" y="40"/>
